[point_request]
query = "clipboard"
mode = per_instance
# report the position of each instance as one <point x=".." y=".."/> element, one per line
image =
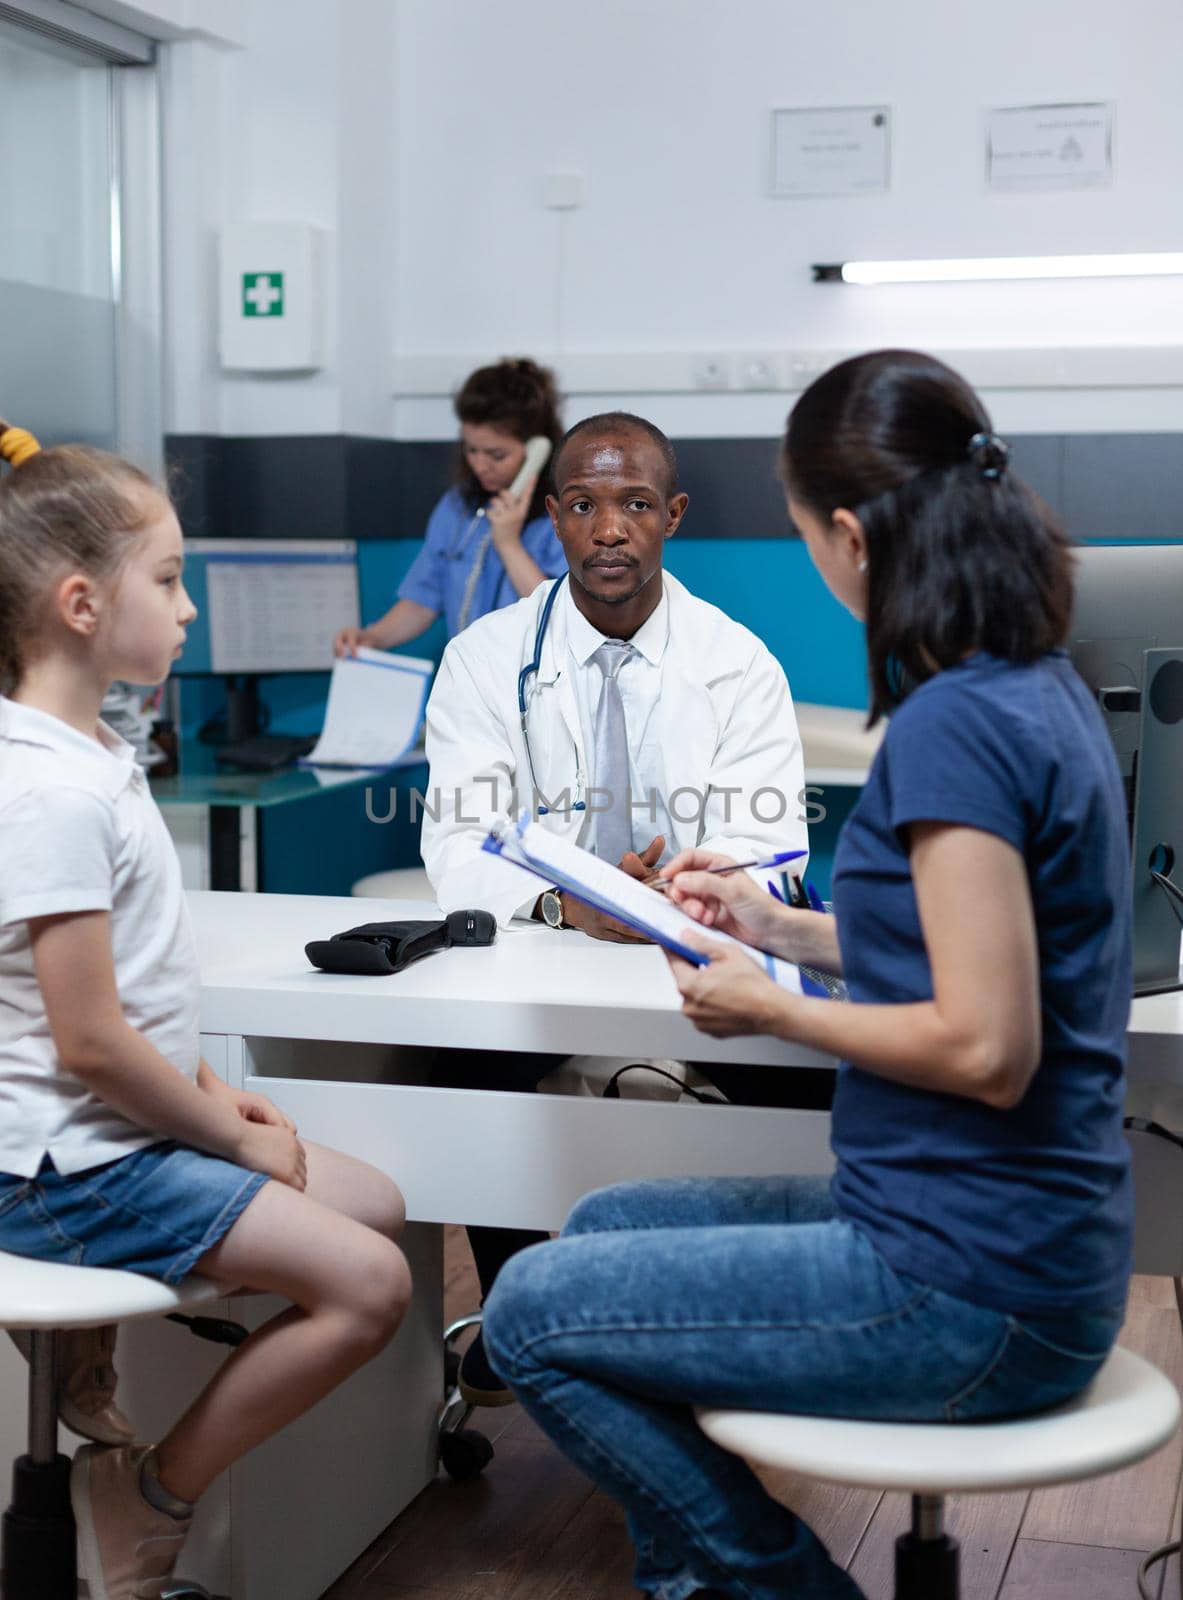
<point x="563" y="865"/>
<point x="374" y="712"/>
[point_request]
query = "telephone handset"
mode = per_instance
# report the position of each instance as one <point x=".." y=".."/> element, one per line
<point x="537" y="455"/>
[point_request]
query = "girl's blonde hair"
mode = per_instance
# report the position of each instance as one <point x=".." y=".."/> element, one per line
<point x="67" y="509"/>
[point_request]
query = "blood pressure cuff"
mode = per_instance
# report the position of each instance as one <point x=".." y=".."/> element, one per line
<point x="380" y="948"/>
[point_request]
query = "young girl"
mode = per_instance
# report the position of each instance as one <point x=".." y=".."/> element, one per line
<point x="971" y="1256"/>
<point x="119" y="1147"/>
<point x="485" y="548"/>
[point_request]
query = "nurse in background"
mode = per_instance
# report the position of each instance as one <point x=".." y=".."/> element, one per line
<point x="485" y="546"/>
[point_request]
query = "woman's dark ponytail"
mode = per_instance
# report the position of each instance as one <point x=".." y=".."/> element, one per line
<point x="962" y="556"/>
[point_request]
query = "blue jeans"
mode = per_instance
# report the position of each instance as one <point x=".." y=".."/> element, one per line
<point x="749" y="1293"/>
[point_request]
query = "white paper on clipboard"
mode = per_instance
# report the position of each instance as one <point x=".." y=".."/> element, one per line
<point x="375" y="708"/>
<point x="566" y="866"/>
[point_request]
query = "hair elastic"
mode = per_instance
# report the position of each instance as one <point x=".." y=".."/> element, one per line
<point x="17" y="445"/>
<point x="989" y="454"/>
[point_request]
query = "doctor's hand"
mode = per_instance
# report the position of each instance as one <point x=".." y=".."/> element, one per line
<point x="596" y="925"/>
<point x="642" y="864"/>
<point x="730" y="996"/>
<point x="507" y="514"/>
<point x="732" y="902"/>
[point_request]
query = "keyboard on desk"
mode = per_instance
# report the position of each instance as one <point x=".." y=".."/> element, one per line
<point x="266" y="752"/>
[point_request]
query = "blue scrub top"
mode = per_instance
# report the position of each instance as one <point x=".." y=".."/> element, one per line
<point x="1026" y="1210"/>
<point x="439" y="573"/>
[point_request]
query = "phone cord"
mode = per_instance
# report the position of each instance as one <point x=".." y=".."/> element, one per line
<point x="474" y="577"/>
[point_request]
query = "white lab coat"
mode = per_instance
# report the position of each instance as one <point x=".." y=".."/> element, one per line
<point x="724" y="720"/>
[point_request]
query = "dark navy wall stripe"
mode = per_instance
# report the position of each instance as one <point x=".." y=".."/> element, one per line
<point x="336" y="486"/>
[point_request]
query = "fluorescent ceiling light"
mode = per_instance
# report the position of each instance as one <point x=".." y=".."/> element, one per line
<point x="1158" y="265"/>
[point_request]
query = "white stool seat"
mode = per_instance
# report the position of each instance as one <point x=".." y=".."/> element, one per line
<point x="46" y="1294"/>
<point x="1127" y="1412"/>
<point x="404" y="883"/>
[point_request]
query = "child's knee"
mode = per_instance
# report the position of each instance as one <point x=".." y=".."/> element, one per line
<point x="390" y="1207"/>
<point x="380" y="1295"/>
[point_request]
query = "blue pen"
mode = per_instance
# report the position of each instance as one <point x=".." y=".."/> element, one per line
<point x="775" y="892"/>
<point x="816" y="902"/>
<point x="742" y="866"/>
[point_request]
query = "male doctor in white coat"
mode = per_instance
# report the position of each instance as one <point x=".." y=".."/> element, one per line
<point x="714" y="757"/>
<point x="653" y="722"/>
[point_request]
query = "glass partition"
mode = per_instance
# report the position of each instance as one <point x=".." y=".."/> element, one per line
<point x="58" y="239"/>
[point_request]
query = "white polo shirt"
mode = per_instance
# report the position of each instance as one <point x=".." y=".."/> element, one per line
<point x="79" y="831"/>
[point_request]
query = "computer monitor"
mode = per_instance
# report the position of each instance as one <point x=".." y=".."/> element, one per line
<point x="265" y="606"/>
<point x="268" y="605"/>
<point x="1127" y="643"/>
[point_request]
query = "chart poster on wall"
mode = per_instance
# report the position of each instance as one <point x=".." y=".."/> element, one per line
<point x="1050" y="147"/>
<point x="831" y="150"/>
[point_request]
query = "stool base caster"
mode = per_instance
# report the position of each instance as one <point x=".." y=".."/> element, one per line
<point x="926" y="1569"/>
<point x="465" y="1453"/>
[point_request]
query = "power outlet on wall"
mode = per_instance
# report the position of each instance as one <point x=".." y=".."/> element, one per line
<point x="761" y="370"/>
<point x="711" y="371"/>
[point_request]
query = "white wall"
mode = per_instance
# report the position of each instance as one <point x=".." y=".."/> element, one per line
<point x="664" y="106"/>
<point x="297" y="125"/>
<point x="419" y="131"/>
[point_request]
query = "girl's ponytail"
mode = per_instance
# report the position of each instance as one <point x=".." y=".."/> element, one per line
<point x="17" y="444"/>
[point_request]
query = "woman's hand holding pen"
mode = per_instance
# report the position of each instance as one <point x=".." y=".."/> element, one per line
<point x="507" y="515"/>
<point x="731" y="902"/>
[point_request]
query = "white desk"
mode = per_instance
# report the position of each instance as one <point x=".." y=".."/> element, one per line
<point x="320" y="1044"/>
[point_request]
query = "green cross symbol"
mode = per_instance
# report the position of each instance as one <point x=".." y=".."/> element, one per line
<point x="262" y="294"/>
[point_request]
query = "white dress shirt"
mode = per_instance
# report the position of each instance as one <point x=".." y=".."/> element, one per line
<point x="640" y="680"/>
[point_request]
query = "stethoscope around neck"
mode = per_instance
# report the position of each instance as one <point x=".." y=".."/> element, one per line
<point x="532" y="668"/>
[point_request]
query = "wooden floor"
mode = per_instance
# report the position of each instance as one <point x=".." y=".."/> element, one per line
<point x="533" y="1528"/>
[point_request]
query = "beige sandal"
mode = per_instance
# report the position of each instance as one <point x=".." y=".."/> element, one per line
<point x="86" y="1383"/>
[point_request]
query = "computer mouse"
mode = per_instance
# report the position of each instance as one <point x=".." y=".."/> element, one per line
<point x="472" y="927"/>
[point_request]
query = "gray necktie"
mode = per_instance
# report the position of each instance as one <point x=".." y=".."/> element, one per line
<point x="612" y="829"/>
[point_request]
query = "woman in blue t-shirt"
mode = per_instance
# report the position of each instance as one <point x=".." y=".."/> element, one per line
<point x="971" y="1256"/>
<point x="485" y="547"/>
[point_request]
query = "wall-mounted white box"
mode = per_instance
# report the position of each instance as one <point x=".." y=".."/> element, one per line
<point x="271" y="297"/>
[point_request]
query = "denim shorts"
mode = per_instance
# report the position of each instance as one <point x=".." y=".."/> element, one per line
<point x="156" y="1211"/>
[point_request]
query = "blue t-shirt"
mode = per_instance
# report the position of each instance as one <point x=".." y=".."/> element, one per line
<point x="455" y="534"/>
<point x="1031" y="1209"/>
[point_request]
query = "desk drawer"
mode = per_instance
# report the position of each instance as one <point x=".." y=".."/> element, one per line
<point x="522" y="1160"/>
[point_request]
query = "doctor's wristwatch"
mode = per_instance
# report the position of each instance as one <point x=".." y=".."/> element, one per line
<point x="550" y="906"/>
